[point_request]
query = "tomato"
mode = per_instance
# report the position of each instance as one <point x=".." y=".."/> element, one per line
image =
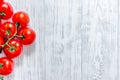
<point x="27" y="36"/>
<point x="6" y="10"/>
<point x="6" y="66"/>
<point x="13" y="49"/>
<point x="21" y="19"/>
<point x="7" y="29"/>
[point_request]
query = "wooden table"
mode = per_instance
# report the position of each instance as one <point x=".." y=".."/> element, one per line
<point x="76" y="40"/>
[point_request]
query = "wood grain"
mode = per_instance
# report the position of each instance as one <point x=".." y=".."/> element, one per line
<point x="76" y="40"/>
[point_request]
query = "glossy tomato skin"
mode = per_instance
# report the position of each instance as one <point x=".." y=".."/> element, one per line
<point x="6" y="66"/>
<point x="0" y="22"/>
<point x="6" y="10"/>
<point x="21" y="19"/>
<point x="27" y="36"/>
<point x="7" y="29"/>
<point x="1" y="1"/>
<point x="14" y="49"/>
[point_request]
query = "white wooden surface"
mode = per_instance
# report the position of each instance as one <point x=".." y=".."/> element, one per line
<point x="76" y="40"/>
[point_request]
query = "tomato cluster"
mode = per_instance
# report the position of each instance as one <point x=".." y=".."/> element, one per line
<point x="14" y="33"/>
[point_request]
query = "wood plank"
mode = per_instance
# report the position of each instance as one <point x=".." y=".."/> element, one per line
<point x="102" y="39"/>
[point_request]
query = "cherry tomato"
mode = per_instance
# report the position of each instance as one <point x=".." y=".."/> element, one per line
<point x="7" y="29"/>
<point x="27" y="36"/>
<point x="6" y="10"/>
<point x="13" y="49"/>
<point x="6" y="66"/>
<point x="21" y="19"/>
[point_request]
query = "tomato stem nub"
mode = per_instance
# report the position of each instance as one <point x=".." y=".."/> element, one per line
<point x="17" y="24"/>
<point x="22" y="37"/>
<point x="2" y="14"/>
<point x="7" y="32"/>
<point x="1" y="65"/>
<point x="12" y="48"/>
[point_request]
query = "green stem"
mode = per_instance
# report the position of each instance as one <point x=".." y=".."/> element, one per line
<point x="18" y="36"/>
<point x="22" y="37"/>
<point x="9" y="39"/>
<point x="1" y="65"/>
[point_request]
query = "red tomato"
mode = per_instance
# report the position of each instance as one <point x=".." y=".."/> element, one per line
<point x="21" y="19"/>
<point x="7" y="29"/>
<point x="27" y="36"/>
<point x="6" y="10"/>
<point x="6" y="66"/>
<point x="13" y="49"/>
